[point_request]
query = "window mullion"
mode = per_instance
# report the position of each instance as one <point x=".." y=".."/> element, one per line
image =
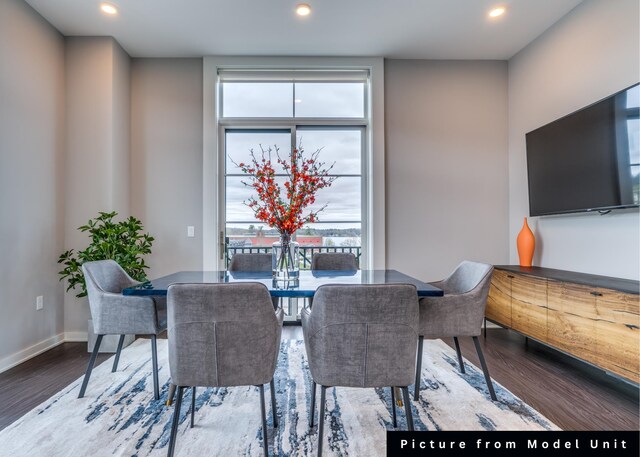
<point x="294" y="135"/>
<point x="287" y="122"/>
<point x="294" y="100"/>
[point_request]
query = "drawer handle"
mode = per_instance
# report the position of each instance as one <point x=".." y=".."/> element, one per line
<point x="632" y="327"/>
<point x="596" y="294"/>
<point x="510" y="276"/>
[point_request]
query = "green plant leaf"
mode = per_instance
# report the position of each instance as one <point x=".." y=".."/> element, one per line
<point x="124" y="241"/>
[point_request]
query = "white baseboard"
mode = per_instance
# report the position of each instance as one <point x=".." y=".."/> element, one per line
<point x="30" y="352"/>
<point x="76" y="337"/>
<point x="22" y="356"/>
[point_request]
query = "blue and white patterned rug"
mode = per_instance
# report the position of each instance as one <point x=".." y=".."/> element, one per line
<point x="118" y="416"/>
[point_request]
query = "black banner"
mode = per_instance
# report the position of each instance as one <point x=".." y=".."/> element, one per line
<point x="513" y="444"/>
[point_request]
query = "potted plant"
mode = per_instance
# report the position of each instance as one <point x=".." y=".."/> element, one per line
<point x="125" y="242"/>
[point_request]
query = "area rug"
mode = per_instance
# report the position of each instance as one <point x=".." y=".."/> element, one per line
<point x="118" y="416"/>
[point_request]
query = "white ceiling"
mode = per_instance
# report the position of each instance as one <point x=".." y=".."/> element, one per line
<point x="419" y="29"/>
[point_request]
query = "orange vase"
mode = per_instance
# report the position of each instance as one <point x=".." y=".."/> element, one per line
<point x="526" y="245"/>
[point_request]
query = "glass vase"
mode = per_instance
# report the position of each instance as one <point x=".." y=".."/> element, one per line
<point x="285" y="258"/>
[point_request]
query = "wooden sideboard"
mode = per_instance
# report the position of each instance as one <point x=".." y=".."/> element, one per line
<point x="594" y="318"/>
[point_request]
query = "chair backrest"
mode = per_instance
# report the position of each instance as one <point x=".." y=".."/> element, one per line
<point x="250" y="262"/>
<point x="334" y="261"/>
<point x="114" y="313"/>
<point x="466" y="291"/>
<point x="106" y="276"/>
<point x="253" y="262"/>
<point x="468" y="276"/>
<point x="221" y="335"/>
<point x="363" y="335"/>
<point x="103" y="276"/>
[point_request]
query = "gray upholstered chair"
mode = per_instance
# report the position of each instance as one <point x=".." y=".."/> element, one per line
<point x="361" y="336"/>
<point x="458" y="313"/>
<point x="241" y="261"/>
<point x="334" y="261"/>
<point x="260" y="262"/>
<point x="250" y="262"/>
<point x="116" y="314"/>
<point x="222" y="335"/>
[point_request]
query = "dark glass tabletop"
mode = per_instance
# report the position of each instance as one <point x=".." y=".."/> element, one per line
<point x="304" y="286"/>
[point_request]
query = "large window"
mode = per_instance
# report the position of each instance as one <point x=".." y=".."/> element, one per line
<point x="281" y="109"/>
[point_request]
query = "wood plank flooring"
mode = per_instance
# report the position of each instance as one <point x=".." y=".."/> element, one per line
<point x="570" y="393"/>
<point x="24" y="387"/>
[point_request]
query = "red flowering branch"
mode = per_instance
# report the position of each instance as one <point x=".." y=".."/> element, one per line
<point x="305" y="177"/>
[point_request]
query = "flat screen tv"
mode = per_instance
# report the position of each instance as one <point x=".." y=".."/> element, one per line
<point x="588" y="160"/>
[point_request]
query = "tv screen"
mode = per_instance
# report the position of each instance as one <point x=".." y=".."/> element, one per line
<point x="588" y="160"/>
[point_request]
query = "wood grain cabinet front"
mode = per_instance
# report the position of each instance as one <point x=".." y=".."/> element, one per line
<point x="529" y="306"/>
<point x="572" y="319"/>
<point x="618" y="333"/>
<point x="593" y="323"/>
<point x="499" y="299"/>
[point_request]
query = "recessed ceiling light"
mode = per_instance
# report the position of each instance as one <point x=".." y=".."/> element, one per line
<point x="108" y="8"/>
<point x="303" y="9"/>
<point x="499" y="11"/>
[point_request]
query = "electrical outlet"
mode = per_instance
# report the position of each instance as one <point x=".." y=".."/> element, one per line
<point x="191" y="231"/>
<point x="39" y="303"/>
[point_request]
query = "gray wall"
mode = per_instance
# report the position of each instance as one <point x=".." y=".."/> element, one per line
<point x="446" y="164"/>
<point x="166" y="159"/>
<point x="121" y="130"/>
<point x="97" y="158"/>
<point x="591" y="53"/>
<point x="31" y="188"/>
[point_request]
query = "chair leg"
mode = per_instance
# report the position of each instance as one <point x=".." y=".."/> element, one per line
<point x="174" y="425"/>
<point x="154" y="363"/>
<point x="274" y="409"/>
<point x="117" y="359"/>
<point x="485" y="369"/>
<point x="416" y="386"/>
<point x="323" y="390"/>
<point x="92" y="360"/>
<point x="193" y="405"/>
<point x="407" y="408"/>
<point x="313" y="403"/>
<point x="171" y="394"/>
<point x="485" y="328"/>
<point x="460" y="362"/>
<point x="393" y="407"/>
<point x="265" y="443"/>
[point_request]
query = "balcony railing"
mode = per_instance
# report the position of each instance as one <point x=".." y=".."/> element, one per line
<point x="306" y="252"/>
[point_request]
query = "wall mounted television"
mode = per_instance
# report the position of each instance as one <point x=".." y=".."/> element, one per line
<point x="588" y="160"/>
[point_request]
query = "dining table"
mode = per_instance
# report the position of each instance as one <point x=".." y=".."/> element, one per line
<point x="303" y="285"/>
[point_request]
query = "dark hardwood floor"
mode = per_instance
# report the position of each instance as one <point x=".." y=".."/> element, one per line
<point x="24" y="387"/>
<point x="572" y="394"/>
